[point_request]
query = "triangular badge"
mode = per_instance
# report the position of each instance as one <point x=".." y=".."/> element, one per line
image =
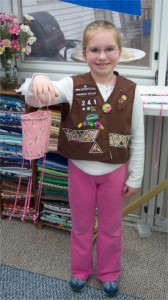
<point x="94" y="133"/>
<point x="95" y="148"/>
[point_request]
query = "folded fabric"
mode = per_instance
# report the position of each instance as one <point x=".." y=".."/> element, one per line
<point x="6" y="147"/>
<point x="51" y="171"/>
<point x="55" y="218"/>
<point x="13" y="177"/>
<point x="53" y="165"/>
<point x="57" y="205"/>
<point x="12" y="100"/>
<point x="10" y="118"/>
<point x="15" y="171"/>
<point x="9" y="185"/>
<point x="15" y="163"/>
<point x="11" y="139"/>
<point x="54" y="197"/>
<point x="11" y="104"/>
<point x="62" y="182"/>
<point x="66" y="227"/>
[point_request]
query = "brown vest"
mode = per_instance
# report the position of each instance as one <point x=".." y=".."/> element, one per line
<point x="89" y="131"/>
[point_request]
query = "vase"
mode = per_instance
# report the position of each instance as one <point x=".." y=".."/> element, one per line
<point x="8" y="79"/>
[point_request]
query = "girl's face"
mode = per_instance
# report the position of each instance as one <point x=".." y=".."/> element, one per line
<point x="102" y="52"/>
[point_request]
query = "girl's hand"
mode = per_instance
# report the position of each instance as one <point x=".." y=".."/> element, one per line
<point x="129" y="191"/>
<point x="43" y="90"/>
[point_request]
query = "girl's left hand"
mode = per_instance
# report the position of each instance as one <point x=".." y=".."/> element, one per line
<point x="129" y="191"/>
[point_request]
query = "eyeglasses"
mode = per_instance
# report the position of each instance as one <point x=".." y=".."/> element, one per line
<point x="109" y="51"/>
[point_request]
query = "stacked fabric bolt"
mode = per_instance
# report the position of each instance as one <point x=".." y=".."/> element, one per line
<point x="11" y="108"/>
<point x="55" y="209"/>
<point x="55" y="123"/>
<point x="57" y="214"/>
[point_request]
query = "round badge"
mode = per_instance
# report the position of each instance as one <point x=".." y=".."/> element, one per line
<point x="106" y="108"/>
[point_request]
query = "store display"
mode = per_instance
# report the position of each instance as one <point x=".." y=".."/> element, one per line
<point x="11" y="109"/>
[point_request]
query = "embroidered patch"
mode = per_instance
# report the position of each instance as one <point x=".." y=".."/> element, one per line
<point x="94" y="133"/>
<point x="88" y="103"/>
<point x="81" y="135"/>
<point x="71" y="134"/>
<point x="85" y="90"/>
<point x="95" y="149"/>
<point x="118" y="140"/>
<point x="84" y="136"/>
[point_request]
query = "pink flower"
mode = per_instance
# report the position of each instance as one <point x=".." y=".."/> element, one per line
<point x="2" y="18"/>
<point x="6" y="43"/>
<point x="14" y="29"/>
<point x="9" y="19"/>
<point x="14" y="18"/>
<point x="15" y="45"/>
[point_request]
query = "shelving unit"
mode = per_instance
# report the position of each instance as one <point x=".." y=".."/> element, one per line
<point x="54" y="207"/>
<point x="12" y="105"/>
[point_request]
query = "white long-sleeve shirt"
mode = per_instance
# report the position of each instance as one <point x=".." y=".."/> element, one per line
<point x="64" y="88"/>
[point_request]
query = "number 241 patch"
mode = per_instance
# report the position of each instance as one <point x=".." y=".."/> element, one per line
<point x="89" y="102"/>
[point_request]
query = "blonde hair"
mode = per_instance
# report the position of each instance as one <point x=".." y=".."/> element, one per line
<point x="101" y="24"/>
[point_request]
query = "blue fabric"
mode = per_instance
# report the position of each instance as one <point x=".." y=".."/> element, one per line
<point x="7" y="150"/>
<point x="11" y="104"/>
<point x="10" y="118"/>
<point x="132" y="7"/>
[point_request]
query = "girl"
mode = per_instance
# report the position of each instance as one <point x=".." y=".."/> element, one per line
<point x="102" y="135"/>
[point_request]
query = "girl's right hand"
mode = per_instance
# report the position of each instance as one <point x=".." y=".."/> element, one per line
<point x="43" y="90"/>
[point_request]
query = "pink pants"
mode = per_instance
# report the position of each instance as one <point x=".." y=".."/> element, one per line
<point x="86" y="193"/>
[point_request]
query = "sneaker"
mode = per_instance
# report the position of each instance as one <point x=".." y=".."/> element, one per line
<point x="110" y="288"/>
<point x="77" y="285"/>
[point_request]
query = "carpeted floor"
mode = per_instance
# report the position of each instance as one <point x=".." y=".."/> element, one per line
<point x="40" y="259"/>
<point x="24" y="285"/>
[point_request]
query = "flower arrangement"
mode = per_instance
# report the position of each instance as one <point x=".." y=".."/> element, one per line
<point x="15" y="39"/>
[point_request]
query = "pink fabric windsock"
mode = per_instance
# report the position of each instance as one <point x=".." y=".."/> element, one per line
<point x="35" y="134"/>
<point x="36" y="128"/>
